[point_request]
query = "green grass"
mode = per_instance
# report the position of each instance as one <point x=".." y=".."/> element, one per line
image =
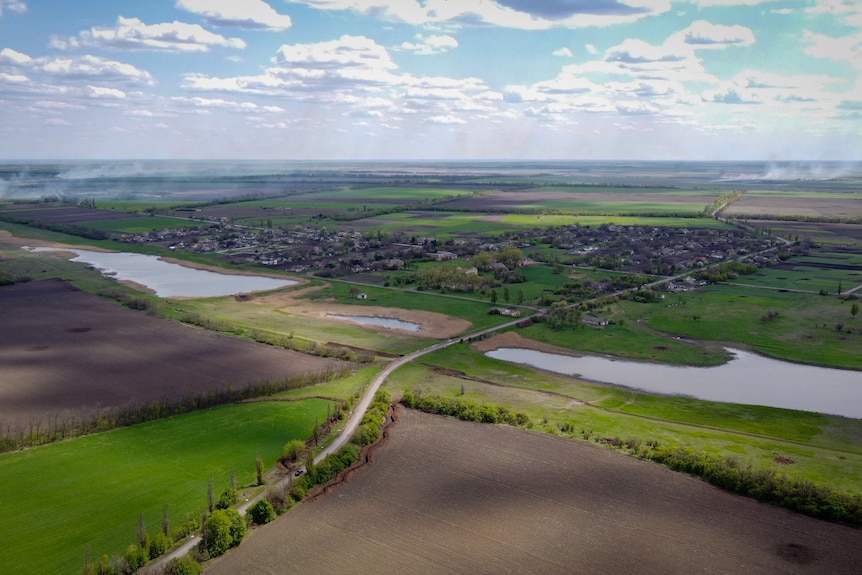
<point x="803" y="331"/>
<point x="397" y="195"/>
<point x="62" y="499"/>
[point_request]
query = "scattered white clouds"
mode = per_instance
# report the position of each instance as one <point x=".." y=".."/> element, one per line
<point x="12" y="6"/>
<point x="519" y="14"/>
<point x="133" y="34"/>
<point x="563" y="53"/>
<point x="843" y="48"/>
<point x="591" y="49"/>
<point x="703" y="34"/>
<point x="240" y="13"/>
<point x="429" y="45"/>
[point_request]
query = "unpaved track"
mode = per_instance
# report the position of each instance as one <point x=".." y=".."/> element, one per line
<point x="451" y="497"/>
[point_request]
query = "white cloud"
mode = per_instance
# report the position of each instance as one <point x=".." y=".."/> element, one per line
<point x="426" y="46"/>
<point x="563" y="53"/>
<point x="519" y="14"/>
<point x="241" y="13"/>
<point x="133" y="34"/>
<point x="71" y="69"/>
<point x="446" y="120"/>
<point x="12" y="57"/>
<point x="702" y="34"/>
<point x="845" y="48"/>
<point x="591" y="49"/>
<point x="13" y="6"/>
<point x="102" y="92"/>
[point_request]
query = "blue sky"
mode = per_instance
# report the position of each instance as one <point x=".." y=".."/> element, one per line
<point x="431" y="79"/>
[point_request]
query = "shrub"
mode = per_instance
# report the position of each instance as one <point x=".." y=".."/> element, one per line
<point x="223" y="529"/>
<point x="159" y="545"/>
<point x="135" y="557"/>
<point x="226" y="499"/>
<point x="184" y="566"/>
<point x="262" y="512"/>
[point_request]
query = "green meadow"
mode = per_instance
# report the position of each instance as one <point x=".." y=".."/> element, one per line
<point x="143" y="224"/>
<point x="85" y="495"/>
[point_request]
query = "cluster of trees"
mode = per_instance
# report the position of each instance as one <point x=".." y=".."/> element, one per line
<point x="450" y="277"/>
<point x="725" y="271"/>
<point x="463" y="409"/>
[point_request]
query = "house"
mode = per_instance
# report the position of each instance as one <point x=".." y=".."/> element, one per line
<point x="362" y="295"/>
<point x="594" y="321"/>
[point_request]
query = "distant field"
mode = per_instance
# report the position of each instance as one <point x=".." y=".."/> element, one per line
<point x="143" y="224"/>
<point x="445" y="496"/>
<point x="62" y="500"/>
<point x="789" y="203"/>
<point x="825" y="272"/>
<point x="597" y="200"/>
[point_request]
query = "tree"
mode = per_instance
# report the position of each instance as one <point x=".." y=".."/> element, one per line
<point x="224" y="528"/>
<point x="854" y="309"/>
<point x="294" y="449"/>
<point x="226" y="499"/>
<point x="210" y="495"/>
<point x="493" y="296"/>
<point x="166" y="524"/>
<point x="506" y="294"/>
<point x="259" y="465"/>
<point x="184" y="566"/>
<point x="520" y="296"/>
<point x="262" y="512"/>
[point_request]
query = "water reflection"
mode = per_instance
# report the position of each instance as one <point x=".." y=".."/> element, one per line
<point x="171" y="280"/>
<point x="748" y="378"/>
<point x="388" y="322"/>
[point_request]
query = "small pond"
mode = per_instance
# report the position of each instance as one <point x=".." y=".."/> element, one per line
<point x="748" y="378"/>
<point x="387" y="322"/>
<point x="171" y="280"/>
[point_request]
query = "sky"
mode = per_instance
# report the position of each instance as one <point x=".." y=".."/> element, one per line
<point x="759" y="80"/>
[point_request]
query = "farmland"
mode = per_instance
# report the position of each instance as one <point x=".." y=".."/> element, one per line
<point x="66" y="354"/>
<point x="367" y="246"/>
<point x="85" y="496"/>
<point x="456" y="497"/>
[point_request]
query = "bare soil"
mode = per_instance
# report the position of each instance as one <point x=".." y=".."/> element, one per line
<point x="64" y="351"/>
<point x="448" y="497"/>
<point x="783" y="206"/>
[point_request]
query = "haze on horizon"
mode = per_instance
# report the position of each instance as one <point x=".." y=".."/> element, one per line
<point x="433" y="79"/>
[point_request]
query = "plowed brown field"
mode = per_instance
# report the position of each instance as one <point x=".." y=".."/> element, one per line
<point x="65" y="351"/>
<point x="450" y="497"/>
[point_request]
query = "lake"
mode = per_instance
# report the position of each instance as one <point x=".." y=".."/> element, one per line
<point x="748" y="378"/>
<point x="171" y="280"/>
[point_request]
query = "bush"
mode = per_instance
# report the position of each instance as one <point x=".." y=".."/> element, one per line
<point x="135" y="557"/>
<point x="159" y="545"/>
<point x="184" y="566"/>
<point x="226" y="499"/>
<point x="223" y="529"/>
<point x="262" y="512"/>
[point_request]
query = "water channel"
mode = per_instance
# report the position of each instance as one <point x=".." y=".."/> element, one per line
<point x="748" y="378"/>
<point x="168" y="279"/>
<point x="387" y="322"/>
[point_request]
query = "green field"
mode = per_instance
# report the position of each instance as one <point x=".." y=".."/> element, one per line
<point x="804" y="329"/>
<point x="597" y="220"/>
<point x="86" y="494"/>
<point x="143" y="224"/>
<point x="397" y="195"/>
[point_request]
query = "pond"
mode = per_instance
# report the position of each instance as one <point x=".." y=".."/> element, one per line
<point x="171" y="280"/>
<point x="748" y="378"/>
<point x="387" y="322"/>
